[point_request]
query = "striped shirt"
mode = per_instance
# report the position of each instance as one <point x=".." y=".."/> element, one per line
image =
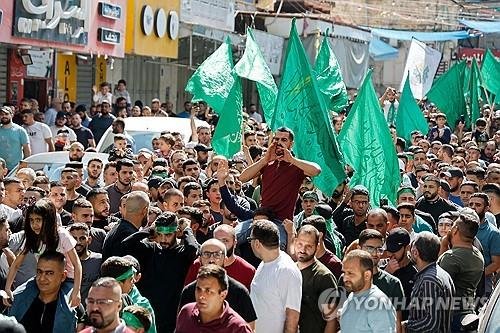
<point x="431" y="301"/>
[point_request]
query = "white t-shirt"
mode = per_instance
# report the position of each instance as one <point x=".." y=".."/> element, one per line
<point x="37" y="133"/>
<point x="277" y="285"/>
<point x="387" y="106"/>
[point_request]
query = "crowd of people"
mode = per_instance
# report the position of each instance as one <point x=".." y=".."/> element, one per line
<point x="175" y="238"/>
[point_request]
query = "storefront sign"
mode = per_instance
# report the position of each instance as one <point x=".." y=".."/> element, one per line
<point x="66" y="21"/>
<point x="152" y="28"/>
<point x="218" y="14"/>
<point x="110" y="11"/>
<point x="465" y="53"/>
<point x="109" y="36"/>
<point x="42" y="64"/>
<point x="66" y="77"/>
<point x="100" y="71"/>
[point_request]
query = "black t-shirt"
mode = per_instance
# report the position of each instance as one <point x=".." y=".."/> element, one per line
<point x="350" y="230"/>
<point x="237" y="297"/>
<point x="68" y="206"/>
<point x="40" y="316"/>
<point x="435" y="208"/>
<point x="66" y="217"/>
<point x="407" y="277"/>
<point x="83" y="135"/>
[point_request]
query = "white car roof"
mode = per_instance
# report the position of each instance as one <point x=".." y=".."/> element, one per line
<point x="154" y="125"/>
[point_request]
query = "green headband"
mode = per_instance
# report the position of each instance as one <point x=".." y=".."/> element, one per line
<point x="131" y="320"/>
<point x="406" y="190"/>
<point x="127" y="274"/>
<point x="166" y="230"/>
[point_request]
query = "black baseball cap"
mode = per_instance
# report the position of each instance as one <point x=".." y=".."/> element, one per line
<point x="455" y="172"/>
<point x="154" y="182"/>
<point x="397" y="239"/>
<point x="201" y="147"/>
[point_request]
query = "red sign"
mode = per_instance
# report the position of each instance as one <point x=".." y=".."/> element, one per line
<point x="465" y="53"/>
<point x="93" y="45"/>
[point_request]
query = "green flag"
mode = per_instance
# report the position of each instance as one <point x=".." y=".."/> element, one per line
<point x="448" y="93"/>
<point x="490" y="71"/>
<point x="474" y="91"/>
<point x="215" y="83"/>
<point x="300" y="107"/>
<point x="329" y="77"/>
<point x="409" y="116"/>
<point x="368" y="148"/>
<point x="252" y="66"/>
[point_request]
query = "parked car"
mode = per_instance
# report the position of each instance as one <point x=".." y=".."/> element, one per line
<point x="488" y="318"/>
<point x="51" y="162"/>
<point x="144" y="129"/>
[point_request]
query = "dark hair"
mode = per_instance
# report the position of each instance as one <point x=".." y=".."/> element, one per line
<point x="318" y="222"/>
<point x="94" y="160"/>
<point x="391" y="211"/>
<point x="93" y="193"/>
<point x="36" y="189"/>
<point x="400" y="142"/>
<point x="168" y="139"/>
<point x="431" y="178"/>
<point x="216" y="272"/>
<point x="476" y="171"/>
<point x="467" y="227"/>
<point x="364" y="258"/>
<point x="448" y="149"/>
<point x="286" y="130"/>
<point x="470" y="183"/>
<point x="79" y="226"/>
<point x="119" y="137"/>
<point x="358" y="190"/>
<point x="267" y="233"/>
<point x="142" y="314"/>
<point x="368" y="234"/>
<point x="124" y="162"/>
<point x="41" y="180"/>
<point x="110" y="164"/>
<point x="55" y="184"/>
<point x="208" y="184"/>
<point x="483" y="196"/>
<point x="428" y="246"/>
<point x="190" y="186"/>
<point x="171" y="193"/>
<point x="195" y="214"/>
<point x="48" y="234"/>
<point x="81" y="203"/>
<point x="247" y="134"/>
<point x="187" y="162"/>
<point x="52" y="255"/>
<point x="186" y="179"/>
<point x="115" y="266"/>
<point x="266" y="211"/>
<point x="10" y="180"/>
<point x="309" y="230"/>
<point x="124" y="83"/>
<point x="407" y="205"/>
<point x="166" y="219"/>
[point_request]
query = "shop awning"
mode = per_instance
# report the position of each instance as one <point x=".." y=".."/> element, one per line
<point x="380" y="51"/>
<point x="421" y="36"/>
<point x="483" y="26"/>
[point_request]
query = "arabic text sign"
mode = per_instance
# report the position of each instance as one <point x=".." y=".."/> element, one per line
<point x="218" y="14"/>
<point x="66" y="21"/>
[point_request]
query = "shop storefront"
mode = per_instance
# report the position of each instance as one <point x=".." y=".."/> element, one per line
<point x="43" y="42"/>
<point x="151" y="39"/>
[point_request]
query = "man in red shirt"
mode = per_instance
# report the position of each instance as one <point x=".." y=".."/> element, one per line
<point x="210" y="312"/>
<point x="235" y="266"/>
<point x="282" y="174"/>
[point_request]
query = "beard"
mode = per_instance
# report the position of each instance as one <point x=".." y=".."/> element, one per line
<point x="303" y="257"/>
<point x="5" y="121"/>
<point x="354" y="286"/>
